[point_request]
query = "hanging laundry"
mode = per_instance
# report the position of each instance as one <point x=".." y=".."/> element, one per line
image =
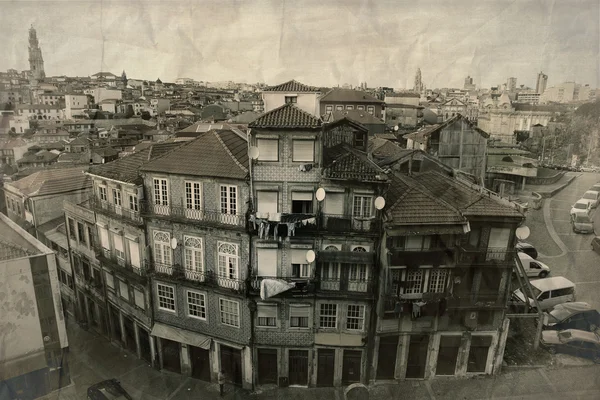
<point x="275" y="229"/>
<point x="291" y="227"/>
<point x="416" y="311"/>
<point x="267" y="229"/>
<point x="261" y="229"/>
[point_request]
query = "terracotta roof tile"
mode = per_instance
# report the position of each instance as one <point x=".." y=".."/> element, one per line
<point x="349" y="164"/>
<point x="292" y="87"/>
<point x="286" y="116"/>
<point x="349" y="95"/>
<point x="50" y="181"/>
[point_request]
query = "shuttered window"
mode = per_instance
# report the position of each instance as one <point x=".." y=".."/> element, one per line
<point x="334" y="204"/>
<point x="302" y="196"/>
<point x="267" y="202"/>
<point x="267" y="262"/>
<point x="268" y="149"/>
<point x="139" y="298"/>
<point x="299" y="315"/>
<point x="300" y="266"/>
<point x="104" y="238"/>
<point x="267" y="315"/>
<point x="134" y="254"/>
<point x="118" y="240"/>
<point x="303" y="150"/>
<point x="499" y="238"/>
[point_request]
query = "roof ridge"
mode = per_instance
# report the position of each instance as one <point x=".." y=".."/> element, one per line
<point x="229" y="152"/>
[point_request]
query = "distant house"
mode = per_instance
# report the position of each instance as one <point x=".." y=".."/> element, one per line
<point x="302" y="96"/>
<point x="452" y="107"/>
<point x="104" y="155"/>
<point x="50" y="135"/>
<point x="157" y="135"/>
<point x="78" y="145"/>
<point x="373" y="124"/>
<point x="12" y="150"/>
<point x="41" y="158"/>
<point x="213" y="112"/>
<point x="339" y="100"/>
<point x="403" y="109"/>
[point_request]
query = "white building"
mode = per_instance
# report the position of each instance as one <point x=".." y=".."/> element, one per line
<point x="302" y="96"/>
<point x="75" y="104"/>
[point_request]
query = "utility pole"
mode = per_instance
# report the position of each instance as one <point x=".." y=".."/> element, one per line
<point x="543" y="148"/>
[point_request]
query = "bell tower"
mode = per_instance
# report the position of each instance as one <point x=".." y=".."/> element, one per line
<point x="36" y="62"/>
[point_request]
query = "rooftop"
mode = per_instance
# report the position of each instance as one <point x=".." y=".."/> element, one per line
<point x="51" y="181"/>
<point x="402" y="94"/>
<point x="287" y="116"/>
<point x="422" y="134"/>
<point x="292" y="87"/>
<point x="362" y="117"/>
<point x="15" y="242"/>
<point x="348" y="96"/>
<point x="344" y="162"/>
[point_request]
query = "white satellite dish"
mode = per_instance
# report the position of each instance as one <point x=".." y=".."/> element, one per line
<point x="522" y="232"/>
<point x="310" y="256"/>
<point x="173" y="243"/>
<point x="379" y="203"/>
<point x="396" y="128"/>
<point x="253" y="152"/>
<point x="320" y="195"/>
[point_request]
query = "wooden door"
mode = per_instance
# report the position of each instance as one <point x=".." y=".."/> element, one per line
<point x="267" y="366"/>
<point x="351" y="367"/>
<point x="447" y="355"/>
<point x="325" y="367"/>
<point x="231" y="362"/>
<point x="145" y="351"/>
<point x="200" y="363"/>
<point x="171" y="356"/>
<point x="386" y="361"/>
<point x="417" y="356"/>
<point x="298" y="368"/>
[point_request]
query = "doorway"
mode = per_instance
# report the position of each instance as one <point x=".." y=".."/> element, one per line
<point x="386" y="362"/>
<point x="351" y="367"/>
<point x="116" y="324"/>
<point x="447" y="355"/>
<point x="298" y="369"/>
<point x="128" y="324"/>
<point x="171" y="356"/>
<point x="144" y="339"/>
<point x="200" y="363"/>
<point x="267" y="366"/>
<point x="417" y="356"/>
<point x="231" y="363"/>
<point x="325" y="367"/>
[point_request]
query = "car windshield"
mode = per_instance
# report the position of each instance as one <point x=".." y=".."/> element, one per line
<point x="580" y="206"/>
<point x="536" y="292"/>
<point x="589" y="196"/>
<point x="560" y="314"/>
<point x="562" y="336"/>
<point x="582" y="219"/>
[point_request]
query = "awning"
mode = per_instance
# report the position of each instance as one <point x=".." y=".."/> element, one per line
<point x="181" y="336"/>
<point x="23" y="365"/>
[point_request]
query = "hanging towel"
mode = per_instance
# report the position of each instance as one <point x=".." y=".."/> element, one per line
<point x="275" y="228"/>
<point x="267" y="229"/>
<point x="291" y="227"/>
<point x="261" y="229"/>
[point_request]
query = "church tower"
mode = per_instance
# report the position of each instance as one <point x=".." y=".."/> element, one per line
<point x="36" y="62"/>
<point x="418" y="82"/>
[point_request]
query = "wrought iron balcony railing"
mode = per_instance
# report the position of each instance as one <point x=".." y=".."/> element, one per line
<point x="348" y="223"/>
<point x="192" y="214"/>
<point x="209" y="278"/>
<point x="302" y="285"/>
<point x="120" y="264"/>
<point x="341" y="286"/>
<point x="119" y="212"/>
<point x="476" y="300"/>
<point x="482" y="256"/>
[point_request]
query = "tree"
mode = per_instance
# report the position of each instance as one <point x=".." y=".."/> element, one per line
<point x="146" y="115"/>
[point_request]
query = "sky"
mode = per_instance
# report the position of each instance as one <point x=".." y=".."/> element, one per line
<point x="321" y="43"/>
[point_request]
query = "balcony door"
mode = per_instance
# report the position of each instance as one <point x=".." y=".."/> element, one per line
<point x="193" y="200"/>
<point x="228" y="201"/>
<point x="228" y="265"/>
<point x="194" y="260"/>
<point x="161" y="196"/>
<point x="162" y="253"/>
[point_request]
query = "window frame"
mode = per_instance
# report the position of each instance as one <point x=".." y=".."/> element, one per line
<point x="360" y="319"/>
<point x="361" y="207"/>
<point x="299" y="306"/>
<point x="329" y="316"/>
<point x="203" y="306"/>
<point x="158" y="297"/>
<point x="271" y="157"/>
<point x="237" y="314"/>
<point x="228" y="203"/>
<point x="294" y="151"/>
<point x="276" y="319"/>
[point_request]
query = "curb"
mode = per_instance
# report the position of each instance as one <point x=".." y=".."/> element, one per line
<point x="546" y="195"/>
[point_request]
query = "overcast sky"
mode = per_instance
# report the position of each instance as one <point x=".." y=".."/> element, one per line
<point x="325" y="42"/>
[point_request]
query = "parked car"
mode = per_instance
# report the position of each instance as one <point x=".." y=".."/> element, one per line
<point x="574" y="342"/>
<point x="533" y="268"/>
<point x="549" y="292"/>
<point x="596" y="244"/>
<point x="592" y="197"/>
<point x="110" y="389"/>
<point x="581" y="207"/>
<point x="528" y="249"/>
<point x="582" y="223"/>
<point x="575" y="315"/>
<point x="596" y="187"/>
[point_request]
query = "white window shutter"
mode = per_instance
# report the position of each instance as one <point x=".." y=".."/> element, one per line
<point x="134" y="254"/>
<point x="299" y="311"/>
<point x="104" y="238"/>
<point x="267" y="202"/>
<point x="303" y="150"/>
<point x="267" y="149"/>
<point x="302" y="196"/>
<point x="267" y="311"/>
<point x="334" y="204"/>
<point x="139" y="298"/>
<point x="118" y="243"/>
<point x="267" y="262"/>
<point x="299" y="256"/>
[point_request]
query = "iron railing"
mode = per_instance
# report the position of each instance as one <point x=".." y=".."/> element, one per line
<point x="348" y="223"/>
<point x="477" y="300"/>
<point x="105" y="257"/>
<point x="209" y="278"/>
<point x="302" y="285"/>
<point x="480" y="256"/>
<point x="192" y="214"/>
<point x="339" y="285"/>
<point x="114" y="211"/>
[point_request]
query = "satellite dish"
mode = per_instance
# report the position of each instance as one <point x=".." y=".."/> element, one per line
<point x="396" y="128"/>
<point x="310" y="256"/>
<point x="173" y="243"/>
<point x="320" y="194"/>
<point x="253" y="152"/>
<point x="46" y="339"/>
<point x="522" y="232"/>
<point x="379" y="203"/>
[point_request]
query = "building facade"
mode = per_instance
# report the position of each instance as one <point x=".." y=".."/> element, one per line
<point x="292" y="92"/>
<point x="36" y="61"/>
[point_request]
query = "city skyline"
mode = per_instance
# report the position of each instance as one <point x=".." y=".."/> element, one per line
<point x="321" y="45"/>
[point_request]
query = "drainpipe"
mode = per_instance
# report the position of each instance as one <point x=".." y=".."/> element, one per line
<point x="251" y="303"/>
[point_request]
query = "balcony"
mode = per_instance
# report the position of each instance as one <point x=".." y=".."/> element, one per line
<point x="208" y="278"/>
<point x="347" y="223"/>
<point x="485" y="256"/>
<point x="114" y="211"/>
<point x="435" y="256"/>
<point x="121" y="265"/>
<point x="303" y="286"/>
<point x="344" y="285"/>
<point x="481" y="300"/>
<point x="190" y="215"/>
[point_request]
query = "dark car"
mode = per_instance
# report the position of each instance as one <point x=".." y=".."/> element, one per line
<point x="575" y="315"/>
<point x="108" y="390"/>
<point x="574" y="342"/>
<point x="596" y="244"/>
<point x="528" y="249"/>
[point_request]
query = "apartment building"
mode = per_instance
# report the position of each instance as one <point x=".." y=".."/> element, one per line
<point x="195" y="217"/>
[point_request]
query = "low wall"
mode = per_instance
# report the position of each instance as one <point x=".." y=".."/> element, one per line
<point x="551" y="193"/>
<point x="545" y="180"/>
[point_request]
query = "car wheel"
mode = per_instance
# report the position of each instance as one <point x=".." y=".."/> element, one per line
<point x="543" y="274"/>
<point x="552" y="350"/>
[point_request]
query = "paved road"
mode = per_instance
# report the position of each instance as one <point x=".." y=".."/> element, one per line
<point x="572" y="255"/>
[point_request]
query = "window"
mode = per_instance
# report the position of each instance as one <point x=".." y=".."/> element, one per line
<point x="196" y="304"/>
<point x="267" y="315"/>
<point x="302" y="202"/>
<point x="267" y="262"/>
<point x="194" y="259"/>
<point x="361" y="108"/>
<point x="134" y="253"/>
<point x="291" y="99"/>
<point x="371" y="110"/>
<point x="166" y="297"/>
<point x="193" y="196"/>
<point x="103" y="237"/>
<point x="139" y="298"/>
<point x="414" y="280"/>
<point x="81" y="233"/>
<point x="499" y="239"/>
<point x="133" y="202"/>
<point x="328" y="315"/>
<point x="116" y="197"/>
<point x="358" y="272"/>
<point x="417" y="243"/>
<point x="355" y="317"/>
<point x="161" y="192"/>
<point x="339" y="108"/>
<point x="349" y="107"/>
<point x="299" y="316"/>
<point x="228" y="199"/>
<point x="303" y="150"/>
<point x="300" y="267"/>
<point x="72" y="233"/>
<point x="230" y="312"/>
<point x="268" y="202"/>
<point x="437" y="280"/>
<point x="362" y="206"/>
<point x="119" y="251"/>
<point x="328" y="109"/>
<point x="359" y="139"/>
<point x="108" y="278"/>
<point x="162" y="247"/>
<point x="228" y="260"/>
<point x="90" y="236"/>
<point x="124" y="290"/>
<point x="268" y="149"/>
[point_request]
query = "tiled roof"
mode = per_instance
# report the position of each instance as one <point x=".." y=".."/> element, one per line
<point x="422" y="134"/>
<point x="348" y="96"/>
<point x="352" y="165"/>
<point x="106" y="151"/>
<point x="83" y="158"/>
<point x="362" y="117"/>
<point x="286" y="116"/>
<point x="80" y="141"/>
<point x="12" y="143"/>
<point x="41" y="156"/>
<point x="50" y="181"/>
<point x="382" y="149"/>
<point x="402" y="94"/>
<point x="126" y="169"/>
<point x="292" y="87"/>
<point x="222" y="154"/>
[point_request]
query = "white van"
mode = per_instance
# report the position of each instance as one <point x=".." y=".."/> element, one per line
<point x="533" y="268"/>
<point x="549" y="292"/>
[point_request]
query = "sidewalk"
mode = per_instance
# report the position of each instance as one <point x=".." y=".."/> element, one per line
<point x="547" y="190"/>
<point x="92" y="359"/>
